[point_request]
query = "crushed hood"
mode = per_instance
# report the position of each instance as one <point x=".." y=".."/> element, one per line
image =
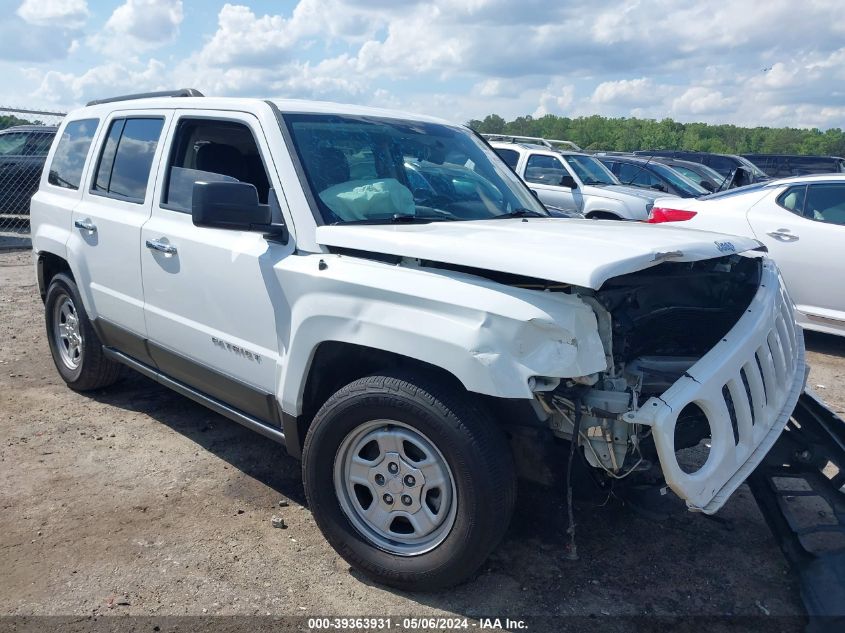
<point x="579" y="252"/>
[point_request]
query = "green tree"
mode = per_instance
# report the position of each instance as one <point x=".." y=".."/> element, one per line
<point x="627" y="134"/>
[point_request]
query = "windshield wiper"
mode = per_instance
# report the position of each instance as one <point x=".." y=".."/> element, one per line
<point x="399" y="218"/>
<point x="519" y="213"/>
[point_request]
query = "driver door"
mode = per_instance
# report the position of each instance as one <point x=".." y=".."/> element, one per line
<point x="543" y="174"/>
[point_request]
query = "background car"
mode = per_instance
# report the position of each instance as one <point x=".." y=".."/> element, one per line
<point x="23" y="150"/>
<point x="575" y="181"/>
<point x="801" y="221"/>
<point x="785" y="165"/>
<point x="700" y="173"/>
<point x="650" y="174"/>
<point x="725" y="164"/>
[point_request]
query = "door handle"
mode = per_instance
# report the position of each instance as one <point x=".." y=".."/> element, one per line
<point x="783" y="235"/>
<point x="85" y="225"/>
<point x="161" y="247"/>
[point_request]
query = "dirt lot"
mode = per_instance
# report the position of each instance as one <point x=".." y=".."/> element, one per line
<point x="136" y="500"/>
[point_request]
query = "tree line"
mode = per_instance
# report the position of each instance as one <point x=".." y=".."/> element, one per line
<point x="10" y="120"/>
<point x="627" y="134"/>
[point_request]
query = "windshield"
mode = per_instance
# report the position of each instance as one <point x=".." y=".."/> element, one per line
<point x="373" y="170"/>
<point x="679" y="181"/>
<point x="25" y="144"/>
<point x="590" y="171"/>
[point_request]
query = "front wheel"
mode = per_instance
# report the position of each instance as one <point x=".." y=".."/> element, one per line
<point x="408" y="480"/>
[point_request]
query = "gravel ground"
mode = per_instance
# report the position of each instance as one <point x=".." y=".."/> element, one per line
<point x="135" y="500"/>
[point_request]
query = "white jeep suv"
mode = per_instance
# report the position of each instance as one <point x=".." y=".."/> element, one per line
<point x="417" y="340"/>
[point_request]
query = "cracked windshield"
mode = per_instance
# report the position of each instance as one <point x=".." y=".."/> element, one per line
<point x="372" y="170"/>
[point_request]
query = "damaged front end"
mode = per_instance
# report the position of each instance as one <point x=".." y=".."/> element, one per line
<point x="705" y="365"/>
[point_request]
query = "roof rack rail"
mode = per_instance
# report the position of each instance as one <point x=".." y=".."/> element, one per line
<point x="183" y="92"/>
<point x="551" y="143"/>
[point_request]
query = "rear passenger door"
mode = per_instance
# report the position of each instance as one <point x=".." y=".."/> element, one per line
<point x="209" y="293"/>
<point x="105" y="237"/>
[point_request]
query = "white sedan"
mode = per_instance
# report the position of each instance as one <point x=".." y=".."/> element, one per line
<point x="800" y="220"/>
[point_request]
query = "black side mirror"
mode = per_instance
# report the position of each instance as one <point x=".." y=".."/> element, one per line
<point x="231" y="205"/>
<point x="568" y="181"/>
<point x="658" y="187"/>
<point x="706" y="184"/>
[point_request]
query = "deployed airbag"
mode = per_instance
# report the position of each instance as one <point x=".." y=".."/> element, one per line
<point x="363" y="199"/>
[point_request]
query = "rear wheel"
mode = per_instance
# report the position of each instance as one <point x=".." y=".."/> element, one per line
<point x="408" y="481"/>
<point x="76" y="349"/>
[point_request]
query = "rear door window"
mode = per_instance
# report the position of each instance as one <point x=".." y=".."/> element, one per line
<point x="826" y="203"/>
<point x="72" y="150"/>
<point x="125" y="162"/>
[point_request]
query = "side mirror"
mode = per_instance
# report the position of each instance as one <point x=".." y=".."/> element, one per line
<point x="706" y="184"/>
<point x="568" y="181"/>
<point x="658" y="187"/>
<point x="231" y="205"/>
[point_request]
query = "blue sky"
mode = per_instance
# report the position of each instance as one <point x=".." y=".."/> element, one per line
<point x="773" y="62"/>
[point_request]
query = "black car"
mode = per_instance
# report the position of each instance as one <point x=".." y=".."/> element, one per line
<point x="785" y="165"/>
<point x="725" y="164"/>
<point x="23" y="150"/>
<point x="651" y="174"/>
<point x="699" y="173"/>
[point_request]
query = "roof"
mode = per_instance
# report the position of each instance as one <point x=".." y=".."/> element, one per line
<point x="807" y="178"/>
<point x="44" y="129"/>
<point x="250" y="104"/>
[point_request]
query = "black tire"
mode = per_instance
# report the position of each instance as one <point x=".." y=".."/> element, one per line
<point x="472" y="445"/>
<point x="94" y="370"/>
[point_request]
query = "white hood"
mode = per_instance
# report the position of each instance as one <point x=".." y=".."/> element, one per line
<point x="578" y="252"/>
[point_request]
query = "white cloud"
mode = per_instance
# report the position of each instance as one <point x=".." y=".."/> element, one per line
<point x="556" y="98"/>
<point x="69" y="13"/>
<point x="139" y="25"/>
<point x="467" y="58"/>
<point x="101" y="81"/>
<point x="629" y="92"/>
<point x="700" y="100"/>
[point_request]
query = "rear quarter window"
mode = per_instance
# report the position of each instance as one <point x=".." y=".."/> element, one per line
<point x="510" y="156"/>
<point x="71" y="152"/>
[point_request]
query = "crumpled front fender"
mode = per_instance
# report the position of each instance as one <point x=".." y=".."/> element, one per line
<point x="492" y="337"/>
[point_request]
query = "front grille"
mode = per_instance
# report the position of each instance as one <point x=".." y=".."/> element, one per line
<point x="746" y="386"/>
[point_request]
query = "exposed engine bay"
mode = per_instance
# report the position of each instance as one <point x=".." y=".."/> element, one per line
<point x="655" y="325"/>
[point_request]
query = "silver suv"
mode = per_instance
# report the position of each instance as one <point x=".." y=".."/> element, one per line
<point x="574" y="181"/>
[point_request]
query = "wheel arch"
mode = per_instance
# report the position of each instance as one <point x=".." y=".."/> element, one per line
<point x="601" y="214"/>
<point x="333" y="365"/>
<point x="48" y="266"/>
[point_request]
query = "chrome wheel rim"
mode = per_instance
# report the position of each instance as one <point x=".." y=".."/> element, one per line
<point x="395" y="487"/>
<point x="66" y="332"/>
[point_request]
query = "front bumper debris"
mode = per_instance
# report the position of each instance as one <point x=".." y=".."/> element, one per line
<point x="800" y="489"/>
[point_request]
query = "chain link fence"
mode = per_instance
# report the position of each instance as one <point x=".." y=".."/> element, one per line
<point x="25" y="138"/>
